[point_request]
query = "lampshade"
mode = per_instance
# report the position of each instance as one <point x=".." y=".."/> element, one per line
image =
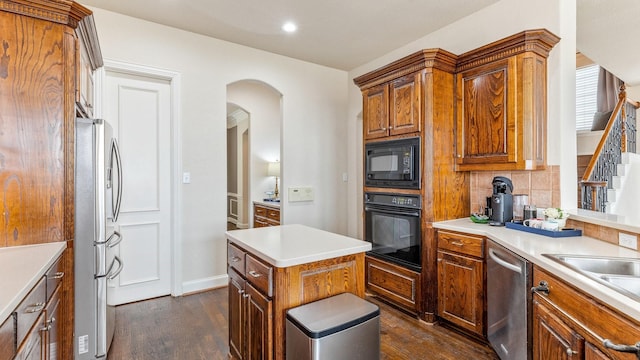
<point x="273" y="169"/>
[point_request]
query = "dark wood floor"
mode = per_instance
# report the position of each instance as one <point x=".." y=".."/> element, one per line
<point x="195" y="327"/>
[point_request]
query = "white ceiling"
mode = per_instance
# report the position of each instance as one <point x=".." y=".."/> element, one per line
<point x="608" y="33"/>
<point x="342" y="34"/>
<point x="346" y="34"/>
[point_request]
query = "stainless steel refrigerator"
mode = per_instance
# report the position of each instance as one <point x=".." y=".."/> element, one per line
<point x="98" y="195"/>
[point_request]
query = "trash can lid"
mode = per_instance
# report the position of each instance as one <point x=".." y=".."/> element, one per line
<point x="331" y="315"/>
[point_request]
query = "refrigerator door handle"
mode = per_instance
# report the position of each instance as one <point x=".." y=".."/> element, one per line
<point x="110" y="242"/>
<point x="115" y="274"/>
<point x="115" y="154"/>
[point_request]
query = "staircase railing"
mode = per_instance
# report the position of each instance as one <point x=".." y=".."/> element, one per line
<point x="619" y="136"/>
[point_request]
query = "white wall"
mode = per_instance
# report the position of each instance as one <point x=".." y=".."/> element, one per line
<point x="263" y="104"/>
<point x="495" y="22"/>
<point x="314" y="132"/>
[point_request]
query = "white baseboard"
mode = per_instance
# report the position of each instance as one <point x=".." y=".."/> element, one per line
<point x="198" y="285"/>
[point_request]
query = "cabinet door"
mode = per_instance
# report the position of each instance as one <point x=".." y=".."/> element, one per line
<point x="592" y="353"/>
<point x="259" y="325"/>
<point x="8" y="338"/>
<point x="31" y="348"/>
<point x="461" y="291"/>
<point x="552" y="338"/>
<point x="394" y="283"/>
<point x="237" y="299"/>
<point x="405" y="112"/>
<point x="486" y="119"/>
<point x="375" y="109"/>
<point x="53" y="328"/>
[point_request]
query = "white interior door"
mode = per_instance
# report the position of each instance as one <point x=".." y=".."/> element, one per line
<point x="139" y="109"/>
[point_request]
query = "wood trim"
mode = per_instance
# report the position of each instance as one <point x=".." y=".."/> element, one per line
<point x="427" y="58"/>
<point x="539" y="41"/>
<point x="59" y="11"/>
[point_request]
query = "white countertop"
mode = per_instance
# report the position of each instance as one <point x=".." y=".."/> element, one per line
<point x="20" y="269"/>
<point x="531" y="247"/>
<point x="275" y="204"/>
<point x="290" y="245"/>
<point x="629" y="223"/>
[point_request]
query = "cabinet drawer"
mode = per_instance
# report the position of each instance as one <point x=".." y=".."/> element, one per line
<point x="395" y="283"/>
<point x="273" y="214"/>
<point x="31" y="349"/>
<point x="7" y="339"/>
<point x="236" y="258"/>
<point x="461" y="243"/>
<point x="54" y="277"/>
<point x="260" y="275"/>
<point x="30" y="308"/>
<point x="260" y="211"/>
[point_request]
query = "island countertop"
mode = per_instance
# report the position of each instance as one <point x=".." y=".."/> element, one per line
<point x="21" y="268"/>
<point x="532" y="247"/>
<point x="290" y="245"/>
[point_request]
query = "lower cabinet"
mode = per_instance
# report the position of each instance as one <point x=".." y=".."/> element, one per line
<point x="260" y="294"/>
<point x="394" y="283"/>
<point x="461" y="281"/>
<point x="37" y="321"/>
<point x="264" y="215"/>
<point x="570" y="324"/>
<point x="250" y="316"/>
<point x="8" y="338"/>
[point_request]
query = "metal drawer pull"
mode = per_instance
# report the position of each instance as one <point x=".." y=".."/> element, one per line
<point x="457" y="243"/>
<point x="255" y="274"/>
<point x="245" y="295"/>
<point x="571" y="352"/>
<point x="634" y="349"/>
<point x="235" y="259"/>
<point x="543" y="287"/>
<point x="58" y="275"/>
<point x="37" y="307"/>
<point x="240" y="291"/>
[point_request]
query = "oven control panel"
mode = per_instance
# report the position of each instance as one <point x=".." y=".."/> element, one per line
<point x="400" y="200"/>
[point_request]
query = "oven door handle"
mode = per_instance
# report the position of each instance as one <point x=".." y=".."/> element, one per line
<point x="399" y="211"/>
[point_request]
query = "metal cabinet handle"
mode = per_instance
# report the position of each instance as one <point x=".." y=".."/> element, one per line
<point x="245" y="295"/>
<point x="456" y="243"/>
<point x="58" y="275"/>
<point x="235" y="259"/>
<point x="571" y="352"/>
<point x="543" y="287"/>
<point x="255" y="274"/>
<point x="633" y="349"/>
<point x="37" y="307"/>
<point x="240" y="291"/>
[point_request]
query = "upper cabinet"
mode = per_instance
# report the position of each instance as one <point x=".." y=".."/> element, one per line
<point x="394" y="96"/>
<point x="90" y="59"/>
<point x="393" y="108"/>
<point x="501" y="97"/>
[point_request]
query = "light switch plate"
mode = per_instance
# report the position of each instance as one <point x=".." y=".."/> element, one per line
<point x="628" y="240"/>
<point x="303" y="193"/>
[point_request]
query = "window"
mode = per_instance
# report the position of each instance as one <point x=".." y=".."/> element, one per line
<point x="586" y="96"/>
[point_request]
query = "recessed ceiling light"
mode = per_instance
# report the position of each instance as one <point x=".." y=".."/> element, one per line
<point x="289" y="27"/>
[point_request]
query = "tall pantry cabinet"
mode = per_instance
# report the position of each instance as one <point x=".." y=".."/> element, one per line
<point x="414" y="97"/>
<point x="39" y="90"/>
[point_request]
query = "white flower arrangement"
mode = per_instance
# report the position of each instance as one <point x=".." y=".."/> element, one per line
<point x="554" y="213"/>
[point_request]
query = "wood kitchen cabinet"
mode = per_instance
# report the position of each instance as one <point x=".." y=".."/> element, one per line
<point x="89" y="60"/>
<point x="260" y="294"/>
<point x="461" y="281"/>
<point x="40" y="73"/>
<point x="394" y="282"/>
<point x="393" y="108"/>
<point x="501" y="102"/>
<point x="414" y="96"/>
<point x="570" y="324"/>
<point x="265" y="215"/>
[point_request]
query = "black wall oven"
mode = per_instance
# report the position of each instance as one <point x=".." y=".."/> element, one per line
<point x="392" y="226"/>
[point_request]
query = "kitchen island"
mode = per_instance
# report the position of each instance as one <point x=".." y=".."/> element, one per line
<point x="273" y="269"/>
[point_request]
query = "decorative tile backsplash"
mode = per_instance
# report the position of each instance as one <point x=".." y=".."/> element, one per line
<point x="542" y="186"/>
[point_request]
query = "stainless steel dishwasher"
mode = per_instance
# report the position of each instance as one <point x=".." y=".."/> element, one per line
<point x="508" y="303"/>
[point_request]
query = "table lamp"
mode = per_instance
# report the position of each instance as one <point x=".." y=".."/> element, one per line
<point x="273" y="169"/>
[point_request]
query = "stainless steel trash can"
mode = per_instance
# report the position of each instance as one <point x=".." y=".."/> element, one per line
<point x="341" y="327"/>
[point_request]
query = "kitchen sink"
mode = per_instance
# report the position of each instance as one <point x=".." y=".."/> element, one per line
<point x="620" y="274"/>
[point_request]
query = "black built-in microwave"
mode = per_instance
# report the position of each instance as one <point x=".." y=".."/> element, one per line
<point x="393" y="163"/>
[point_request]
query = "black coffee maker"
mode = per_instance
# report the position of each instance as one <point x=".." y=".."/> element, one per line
<point x="501" y="201"/>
